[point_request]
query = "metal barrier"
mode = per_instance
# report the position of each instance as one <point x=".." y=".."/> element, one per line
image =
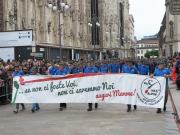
<point x="5" y="91"/>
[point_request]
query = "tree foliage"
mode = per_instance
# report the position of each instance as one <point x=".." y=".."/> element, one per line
<point x="152" y="53"/>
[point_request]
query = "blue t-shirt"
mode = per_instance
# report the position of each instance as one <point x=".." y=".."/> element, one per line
<point x="163" y="72"/>
<point x="74" y="70"/>
<point x="52" y="71"/>
<point x="143" y="69"/>
<point x="17" y="73"/>
<point x="81" y="70"/>
<point x="130" y="70"/>
<point x="66" y="69"/>
<point x="61" y="72"/>
<point x="115" y="68"/>
<point x="91" y="69"/>
<point x="103" y="68"/>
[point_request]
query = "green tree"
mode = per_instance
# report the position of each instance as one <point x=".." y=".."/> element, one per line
<point x="155" y="53"/>
<point x="147" y="54"/>
<point x="152" y="53"/>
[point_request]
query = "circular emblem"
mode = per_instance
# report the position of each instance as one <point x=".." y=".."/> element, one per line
<point x="150" y="92"/>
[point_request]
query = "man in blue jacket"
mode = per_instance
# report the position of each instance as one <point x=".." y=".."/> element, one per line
<point x="73" y="69"/>
<point x="161" y="70"/>
<point x="143" y="68"/>
<point x="103" y="68"/>
<point x="35" y="106"/>
<point x="91" y="68"/>
<point x="115" y="67"/>
<point x="131" y="69"/>
<point x="61" y="71"/>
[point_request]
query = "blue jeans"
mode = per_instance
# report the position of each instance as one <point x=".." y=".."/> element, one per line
<point x="35" y="106"/>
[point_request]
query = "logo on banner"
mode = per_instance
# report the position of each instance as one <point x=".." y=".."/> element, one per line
<point x="150" y="92"/>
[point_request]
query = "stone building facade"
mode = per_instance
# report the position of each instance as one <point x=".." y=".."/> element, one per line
<point x="132" y="43"/>
<point x="170" y="30"/>
<point x="115" y="27"/>
<point x="74" y="32"/>
<point x="1" y="16"/>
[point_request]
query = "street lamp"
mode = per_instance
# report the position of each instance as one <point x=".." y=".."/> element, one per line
<point x="90" y="25"/>
<point x="50" y="5"/>
<point x="94" y="24"/>
<point x="98" y="24"/>
<point x="59" y="7"/>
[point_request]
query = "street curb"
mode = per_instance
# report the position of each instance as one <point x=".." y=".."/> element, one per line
<point x="175" y="112"/>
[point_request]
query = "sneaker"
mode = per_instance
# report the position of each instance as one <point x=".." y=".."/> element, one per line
<point x="158" y="110"/>
<point x="89" y="109"/>
<point x="129" y="109"/>
<point x="135" y="107"/>
<point x="32" y="110"/>
<point x="96" y="106"/>
<point x="15" y="111"/>
<point x="61" y="109"/>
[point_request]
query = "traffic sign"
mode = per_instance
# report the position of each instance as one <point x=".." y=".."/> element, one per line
<point x="37" y="55"/>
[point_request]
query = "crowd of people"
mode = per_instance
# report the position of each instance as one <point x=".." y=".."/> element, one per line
<point x="152" y="67"/>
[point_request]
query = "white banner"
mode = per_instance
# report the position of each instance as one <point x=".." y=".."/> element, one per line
<point x="90" y="88"/>
<point x="16" y="38"/>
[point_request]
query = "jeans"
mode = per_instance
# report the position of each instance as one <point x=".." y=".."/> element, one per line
<point x="35" y="106"/>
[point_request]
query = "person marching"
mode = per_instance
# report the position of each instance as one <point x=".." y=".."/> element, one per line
<point x="144" y="68"/>
<point x="61" y="71"/>
<point x="161" y="70"/>
<point x="91" y="68"/>
<point x="19" y="73"/>
<point x="131" y="69"/>
<point x="103" y="68"/>
<point x="52" y="68"/>
<point x="115" y="67"/>
<point x="35" y="106"/>
<point x="73" y="69"/>
<point x="80" y="67"/>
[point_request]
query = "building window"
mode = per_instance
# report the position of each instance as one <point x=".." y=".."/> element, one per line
<point x="95" y="29"/>
<point x="141" y="51"/>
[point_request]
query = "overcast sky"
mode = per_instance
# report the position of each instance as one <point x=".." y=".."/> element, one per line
<point x="148" y="15"/>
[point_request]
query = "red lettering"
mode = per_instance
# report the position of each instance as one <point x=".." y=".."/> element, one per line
<point x="115" y="93"/>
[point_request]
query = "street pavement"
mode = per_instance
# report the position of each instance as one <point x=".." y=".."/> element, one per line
<point x="109" y="119"/>
<point x="176" y="100"/>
